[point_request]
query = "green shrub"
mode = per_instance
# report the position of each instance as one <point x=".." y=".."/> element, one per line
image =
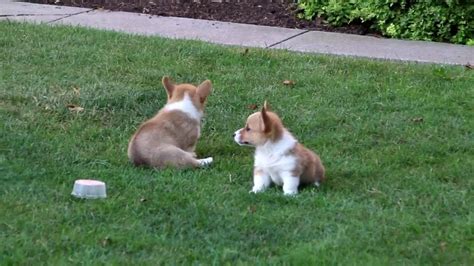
<point x="434" y="20"/>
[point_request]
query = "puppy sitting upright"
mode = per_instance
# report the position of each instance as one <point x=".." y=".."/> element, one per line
<point x="278" y="155"/>
<point x="169" y="138"/>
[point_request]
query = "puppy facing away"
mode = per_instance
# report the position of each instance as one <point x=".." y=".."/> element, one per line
<point x="169" y="138"/>
<point x="279" y="158"/>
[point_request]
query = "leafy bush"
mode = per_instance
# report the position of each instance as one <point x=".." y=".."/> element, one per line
<point x="434" y="20"/>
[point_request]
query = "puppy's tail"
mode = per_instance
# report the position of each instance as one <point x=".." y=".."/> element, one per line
<point x="319" y="172"/>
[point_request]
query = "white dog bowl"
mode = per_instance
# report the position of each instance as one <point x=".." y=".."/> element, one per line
<point x="89" y="189"/>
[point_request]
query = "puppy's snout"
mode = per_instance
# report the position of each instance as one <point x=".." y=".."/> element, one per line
<point x="236" y="136"/>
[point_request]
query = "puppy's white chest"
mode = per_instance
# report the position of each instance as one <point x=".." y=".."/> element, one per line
<point x="275" y="166"/>
<point x="275" y="160"/>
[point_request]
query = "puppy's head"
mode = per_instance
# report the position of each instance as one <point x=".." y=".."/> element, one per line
<point x="260" y="127"/>
<point x="177" y="92"/>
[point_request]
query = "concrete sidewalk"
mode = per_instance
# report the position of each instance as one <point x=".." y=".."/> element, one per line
<point x="241" y="34"/>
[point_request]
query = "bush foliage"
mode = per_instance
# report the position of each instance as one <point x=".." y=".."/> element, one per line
<point x="431" y="20"/>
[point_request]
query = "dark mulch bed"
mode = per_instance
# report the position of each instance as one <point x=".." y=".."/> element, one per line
<point x="281" y="13"/>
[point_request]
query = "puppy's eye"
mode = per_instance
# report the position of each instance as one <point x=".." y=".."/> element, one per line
<point x="247" y="129"/>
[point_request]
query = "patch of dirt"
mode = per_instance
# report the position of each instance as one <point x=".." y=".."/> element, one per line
<point x="259" y="12"/>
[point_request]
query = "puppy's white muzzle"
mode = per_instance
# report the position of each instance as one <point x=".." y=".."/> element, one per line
<point x="237" y="138"/>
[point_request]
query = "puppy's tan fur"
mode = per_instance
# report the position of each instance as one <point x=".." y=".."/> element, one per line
<point x="278" y="154"/>
<point x="169" y="138"/>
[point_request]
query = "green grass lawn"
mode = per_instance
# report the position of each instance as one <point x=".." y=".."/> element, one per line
<point x="396" y="139"/>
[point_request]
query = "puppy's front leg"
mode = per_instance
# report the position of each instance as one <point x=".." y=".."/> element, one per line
<point x="290" y="184"/>
<point x="261" y="181"/>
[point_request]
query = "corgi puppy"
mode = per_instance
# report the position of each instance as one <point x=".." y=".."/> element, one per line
<point x="169" y="138"/>
<point x="279" y="158"/>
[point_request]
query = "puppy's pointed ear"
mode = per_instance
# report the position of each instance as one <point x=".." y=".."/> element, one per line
<point x="169" y="86"/>
<point x="204" y="89"/>
<point x="267" y="106"/>
<point x="267" y="122"/>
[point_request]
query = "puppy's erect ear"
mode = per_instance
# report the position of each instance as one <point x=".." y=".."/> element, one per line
<point x="204" y="89"/>
<point x="267" y="122"/>
<point x="267" y="106"/>
<point x="169" y="86"/>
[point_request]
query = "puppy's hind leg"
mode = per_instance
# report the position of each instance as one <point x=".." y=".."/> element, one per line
<point x="172" y="156"/>
<point x="205" y="162"/>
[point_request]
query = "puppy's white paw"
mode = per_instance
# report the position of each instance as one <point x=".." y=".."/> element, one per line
<point x="205" y="162"/>
<point x="290" y="192"/>
<point x="256" y="190"/>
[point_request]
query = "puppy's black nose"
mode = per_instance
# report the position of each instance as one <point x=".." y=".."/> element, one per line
<point x="233" y="135"/>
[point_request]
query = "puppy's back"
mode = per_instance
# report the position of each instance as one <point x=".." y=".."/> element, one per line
<point x="170" y="128"/>
<point x="309" y="167"/>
